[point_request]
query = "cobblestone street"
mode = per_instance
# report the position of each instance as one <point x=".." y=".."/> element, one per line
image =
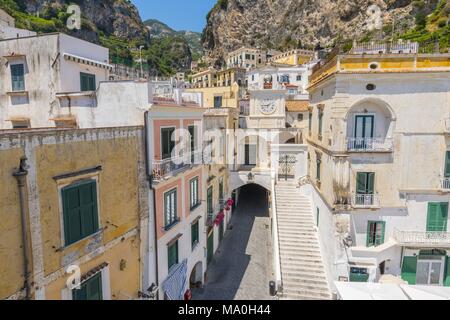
<point x="242" y="266"/>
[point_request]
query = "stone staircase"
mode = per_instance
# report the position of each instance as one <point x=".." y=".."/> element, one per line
<point x="302" y="268"/>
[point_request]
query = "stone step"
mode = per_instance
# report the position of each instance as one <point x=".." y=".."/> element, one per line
<point x="306" y="291"/>
<point x="319" y="281"/>
<point x="286" y="258"/>
<point x="299" y="244"/>
<point x="296" y="235"/>
<point x="299" y="250"/>
<point x="302" y="265"/>
<point x="293" y="296"/>
<point x="303" y="271"/>
<point x="300" y="255"/>
<point x="302" y="228"/>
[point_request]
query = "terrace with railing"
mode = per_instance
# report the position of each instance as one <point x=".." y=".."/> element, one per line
<point x="353" y="57"/>
<point x="422" y="238"/>
<point x="166" y="168"/>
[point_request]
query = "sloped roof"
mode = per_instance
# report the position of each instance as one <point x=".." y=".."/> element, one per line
<point x="297" y="105"/>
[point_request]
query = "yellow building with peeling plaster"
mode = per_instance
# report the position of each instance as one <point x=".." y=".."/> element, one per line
<point x="98" y="173"/>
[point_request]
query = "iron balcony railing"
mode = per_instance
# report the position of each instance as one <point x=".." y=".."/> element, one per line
<point x="369" y="144"/>
<point x="383" y="47"/>
<point x="445" y="183"/>
<point x="162" y="169"/>
<point x="361" y="200"/>
<point x="431" y="238"/>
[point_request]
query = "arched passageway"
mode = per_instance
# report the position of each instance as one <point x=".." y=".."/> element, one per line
<point x="242" y="267"/>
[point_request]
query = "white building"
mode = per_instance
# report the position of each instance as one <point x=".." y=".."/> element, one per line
<point x="379" y="165"/>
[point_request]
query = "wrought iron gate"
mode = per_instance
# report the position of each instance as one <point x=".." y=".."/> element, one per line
<point x="286" y="166"/>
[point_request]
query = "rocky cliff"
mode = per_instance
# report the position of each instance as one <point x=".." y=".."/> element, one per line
<point x="283" y="24"/>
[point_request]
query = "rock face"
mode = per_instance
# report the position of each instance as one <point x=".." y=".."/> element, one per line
<point x="117" y="18"/>
<point x="161" y="30"/>
<point x="282" y="24"/>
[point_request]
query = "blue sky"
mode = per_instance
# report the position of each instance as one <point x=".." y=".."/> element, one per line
<point x="177" y="14"/>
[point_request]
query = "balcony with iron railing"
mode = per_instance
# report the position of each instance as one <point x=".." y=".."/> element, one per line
<point x="422" y="238"/>
<point x="370" y="145"/>
<point x="445" y="183"/>
<point x="365" y="201"/>
<point x="166" y="168"/>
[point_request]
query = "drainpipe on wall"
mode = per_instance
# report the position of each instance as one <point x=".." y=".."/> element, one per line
<point x="21" y="176"/>
<point x="149" y="178"/>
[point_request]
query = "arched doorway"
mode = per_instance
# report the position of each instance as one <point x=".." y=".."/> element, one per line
<point x="196" y="277"/>
<point x="243" y="266"/>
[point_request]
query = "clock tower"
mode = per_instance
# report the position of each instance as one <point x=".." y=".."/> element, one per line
<point x="267" y="109"/>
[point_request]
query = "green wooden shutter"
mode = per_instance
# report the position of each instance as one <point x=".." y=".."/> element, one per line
<point x="369" y="242"/>
<point x="383" y="231"/>
<point x="18" y="77"/>
<point x="409" y="269"/>
<point x="88" y="208"/>
<point x="71" y="215"/>
<point x="361" y="182"/>
<point x="194" y="234"/>
<point x="370" y="182"/>
<point x="94" y="288"/>
<point x="447" y="272"/>
<point x="437" y="217"/>
<point x="447" y="164"/>
<point x="91" y="289"/>
<point x="172" y="255"/>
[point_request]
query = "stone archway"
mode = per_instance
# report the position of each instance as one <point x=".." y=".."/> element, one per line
<point x="196" y="276"/>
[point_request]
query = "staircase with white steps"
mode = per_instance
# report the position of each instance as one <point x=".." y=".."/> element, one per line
<point x="302" y="268"/>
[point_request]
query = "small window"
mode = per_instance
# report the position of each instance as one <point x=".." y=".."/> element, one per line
<point x="299" y="78"/>
<point x="375" y="233"/>
<point x="21" y="124"/>
<point x="194" y="199"/>
<point x="300" y="117"/>
<point x="374" y="66"/>
<point x="170" y="208"/>
<point x="371" y="87"/>
<point x="320" y="124"/>
<point x="91" y="289"/>
<point x="218" y="102"/>
<point x="194" y="235"/>
<point x="18" y="77"/>
<point x="318" y="168"/>
<point x="172" y="255"/>
<point x="87" y="82"/>
<point x="80" y="213"/>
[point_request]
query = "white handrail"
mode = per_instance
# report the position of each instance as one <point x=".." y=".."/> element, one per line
<point x="422" y="237"/>
<point x="275" y="239"/>
<point x="369" y="144"/>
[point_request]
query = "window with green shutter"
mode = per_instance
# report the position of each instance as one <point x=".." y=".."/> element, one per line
<point x="310" y="122"/>
<point x="91" y="289"/>
<point x="87" y="82"/>
<point x="447" y="164"/>
<point x="320" y="124"/>
<point x="194" y="234"/>
<point x="409" y="269"/>
<point x="18" y="77"/>
<point x="194" y="199"/>
<point x="170" y="208"/>
<point x="437" y="216"/>
<point x="375" y="233"/>
<point x="447" y="272"/>
<point x="209" y="201"/>
<point x="167" y="144"/>
<point x="365" y="182"/>
<point x="80" y="213"/>
<point x="172" y="254"/>
<point x="218" y="102"/>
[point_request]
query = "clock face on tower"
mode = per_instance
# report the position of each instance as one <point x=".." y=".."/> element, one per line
<point x="267" y="106"/>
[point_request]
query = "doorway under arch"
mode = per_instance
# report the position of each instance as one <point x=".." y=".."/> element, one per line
<point x="196" y="277"/>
